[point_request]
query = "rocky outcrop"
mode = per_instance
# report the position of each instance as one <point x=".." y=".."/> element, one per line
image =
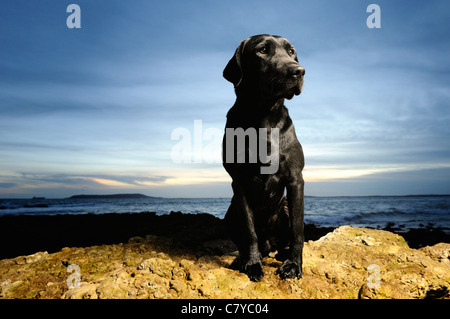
<point x="349" y="262"/>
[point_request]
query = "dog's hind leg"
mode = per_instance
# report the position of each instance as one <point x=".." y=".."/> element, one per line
<point x="277" y="232"/>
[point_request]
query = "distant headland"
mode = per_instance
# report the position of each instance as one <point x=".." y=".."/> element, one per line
<point x="113" y="196"/>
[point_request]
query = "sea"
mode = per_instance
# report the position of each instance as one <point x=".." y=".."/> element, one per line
<point x="404" y="212"/>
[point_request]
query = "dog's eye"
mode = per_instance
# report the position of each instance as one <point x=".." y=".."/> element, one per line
<point x="263" y="50"/>
<point x="291" y="52"/>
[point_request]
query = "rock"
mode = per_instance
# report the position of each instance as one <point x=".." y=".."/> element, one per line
<point x="403" y="272"/>
<point x="8" y="287"/>
<point x="32" y="258"/>
<point x="86" y="291"/>
<point x="161" y="265"/>
<point x="439" y="252"/>
<point x="349" y="262"/>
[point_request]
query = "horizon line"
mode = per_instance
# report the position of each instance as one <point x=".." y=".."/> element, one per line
<point x="221" y="197"/>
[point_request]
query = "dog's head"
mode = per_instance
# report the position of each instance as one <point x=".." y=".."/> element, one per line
<point x="268" y="65"/>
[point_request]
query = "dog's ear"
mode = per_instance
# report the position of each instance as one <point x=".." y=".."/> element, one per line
<point x="233" y="71"/>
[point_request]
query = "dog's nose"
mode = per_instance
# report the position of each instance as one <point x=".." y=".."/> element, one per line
<point x="298" y="71"/>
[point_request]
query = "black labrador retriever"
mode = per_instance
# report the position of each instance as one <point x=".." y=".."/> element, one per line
<point x="261" y="219"/>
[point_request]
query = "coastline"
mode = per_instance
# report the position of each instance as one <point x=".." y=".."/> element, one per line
<point x="27" y="234"/>
<point x="347" y="263"/>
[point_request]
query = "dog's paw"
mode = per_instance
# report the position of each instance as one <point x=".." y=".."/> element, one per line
<point x="254" y="271"/>
<point x="290" y="269"/>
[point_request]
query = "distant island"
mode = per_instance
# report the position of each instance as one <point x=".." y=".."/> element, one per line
<point x="114" y="196"/>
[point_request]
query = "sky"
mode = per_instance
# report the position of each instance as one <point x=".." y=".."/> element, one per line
<point x="96" y="109"/>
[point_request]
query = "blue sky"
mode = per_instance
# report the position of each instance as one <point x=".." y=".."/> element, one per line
<point x="92" y="110"/>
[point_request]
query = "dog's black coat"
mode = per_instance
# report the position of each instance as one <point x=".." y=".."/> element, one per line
<point x="265" y="71"/>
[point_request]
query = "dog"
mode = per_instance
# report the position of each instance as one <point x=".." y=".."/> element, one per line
<point x="260" y="219"/>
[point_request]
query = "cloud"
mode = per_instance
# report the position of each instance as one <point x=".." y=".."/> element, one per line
<point x="96" y="182"/>
<point x="389" y="182"/>
<point x="94" y="108"/>
<point x="7" y="185"/>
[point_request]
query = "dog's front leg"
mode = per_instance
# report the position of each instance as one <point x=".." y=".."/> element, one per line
<point x="292" y="267"/>
<point x="249" y="260"/>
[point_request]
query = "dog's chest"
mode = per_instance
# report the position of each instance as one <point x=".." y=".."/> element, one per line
<point x="269" y="182"/>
